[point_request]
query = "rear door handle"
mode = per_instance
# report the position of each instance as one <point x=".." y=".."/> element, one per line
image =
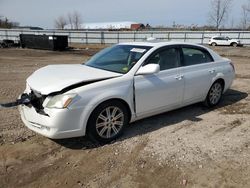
<point x="179" y="77"/>
<point x="212" y="71"/>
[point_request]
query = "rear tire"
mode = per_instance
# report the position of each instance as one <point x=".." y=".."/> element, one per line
<point x="214" y="94"/>
<point x="234" y="44"/>
<point x="107" y="121"/>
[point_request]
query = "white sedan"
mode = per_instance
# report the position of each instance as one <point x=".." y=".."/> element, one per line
<point x="122" y="84"/>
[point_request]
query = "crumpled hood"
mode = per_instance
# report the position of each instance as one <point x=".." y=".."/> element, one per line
<point x="54" y="78"/>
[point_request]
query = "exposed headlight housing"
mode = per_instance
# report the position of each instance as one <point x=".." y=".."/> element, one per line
<point x="60" y="101"/>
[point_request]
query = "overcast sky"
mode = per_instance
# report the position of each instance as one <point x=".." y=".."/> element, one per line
<point x="42" y="13"/>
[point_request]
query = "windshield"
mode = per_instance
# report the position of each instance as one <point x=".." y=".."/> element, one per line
<point x="118" y="58"/>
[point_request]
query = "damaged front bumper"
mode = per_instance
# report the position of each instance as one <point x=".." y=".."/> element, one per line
<point x="58" y="123"/>
<point x="50" y="122"/>
<point x="29" y="99"/>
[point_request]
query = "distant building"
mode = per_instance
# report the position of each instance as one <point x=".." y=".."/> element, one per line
<point x="137" y="26"/>
<point x="127" y="25"/>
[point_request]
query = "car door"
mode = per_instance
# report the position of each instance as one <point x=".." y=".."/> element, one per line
<point x="225" y="41"/>
<point x="164" y="90"/>
<point x="198" y="72"/>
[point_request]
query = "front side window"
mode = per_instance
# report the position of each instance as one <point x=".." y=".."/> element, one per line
<point x="119" y="58"/>
<point x="193" y="56"/>
<point x="166" y="58"/>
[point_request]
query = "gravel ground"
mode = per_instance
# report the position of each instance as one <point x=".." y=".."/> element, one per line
<point x="189" y="147"/>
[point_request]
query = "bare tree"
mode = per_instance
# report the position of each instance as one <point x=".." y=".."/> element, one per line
<point x="219" y="12"/>
<point x="232" y="25"/>
<point x="60" y="22"/>
<point x="70" y="20"/>
<point x="245" y="20"/>
<point x="74" y="20"/>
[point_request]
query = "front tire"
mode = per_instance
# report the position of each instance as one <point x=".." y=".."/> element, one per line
<point x="107" y="121"/>
<point x="214" y="94"/>
<point x="214" y="44"/>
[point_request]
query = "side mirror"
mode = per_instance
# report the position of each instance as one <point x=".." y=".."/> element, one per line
<point x="149" y="69"/>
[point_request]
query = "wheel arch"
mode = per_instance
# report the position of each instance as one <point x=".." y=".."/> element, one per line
<point x="122" y="101"/>
<point x="207" y="102"/>
<point x="119" y="100"/>
<point x="215" y="44"/>
<point x="232" y="43"/>
<point x="221" y="80"/>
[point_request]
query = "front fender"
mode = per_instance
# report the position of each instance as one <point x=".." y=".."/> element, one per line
<point x="90" y="99"/>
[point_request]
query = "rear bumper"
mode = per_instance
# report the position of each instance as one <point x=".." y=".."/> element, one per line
<point x="229" y="78"/>
<point x="60" y="123"/>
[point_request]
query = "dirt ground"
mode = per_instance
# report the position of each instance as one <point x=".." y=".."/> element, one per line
<point x="190" y="147"/>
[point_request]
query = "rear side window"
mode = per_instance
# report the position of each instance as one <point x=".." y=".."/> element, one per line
<point x="193" y="56"/>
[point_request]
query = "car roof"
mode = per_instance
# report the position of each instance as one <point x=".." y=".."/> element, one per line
<point x="159" y="44"/>
<point x="156" y="43"/>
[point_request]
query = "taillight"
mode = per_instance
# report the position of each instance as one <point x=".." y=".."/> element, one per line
<point x="232" y="65"/>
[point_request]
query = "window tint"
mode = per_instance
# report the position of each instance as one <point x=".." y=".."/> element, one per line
<point x="194" y="56"/>
<point x="221" y="38"/>
<point x="167" y="58"/>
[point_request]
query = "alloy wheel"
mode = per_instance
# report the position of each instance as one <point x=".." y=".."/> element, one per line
<point x="215" y="93"/>
<point x="109" y="122"/>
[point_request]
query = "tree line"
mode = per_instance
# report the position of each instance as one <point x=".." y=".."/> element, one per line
<point x="220" y="10"/>
<point x="218" y="16"/>
<point x="219" y="13"/>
